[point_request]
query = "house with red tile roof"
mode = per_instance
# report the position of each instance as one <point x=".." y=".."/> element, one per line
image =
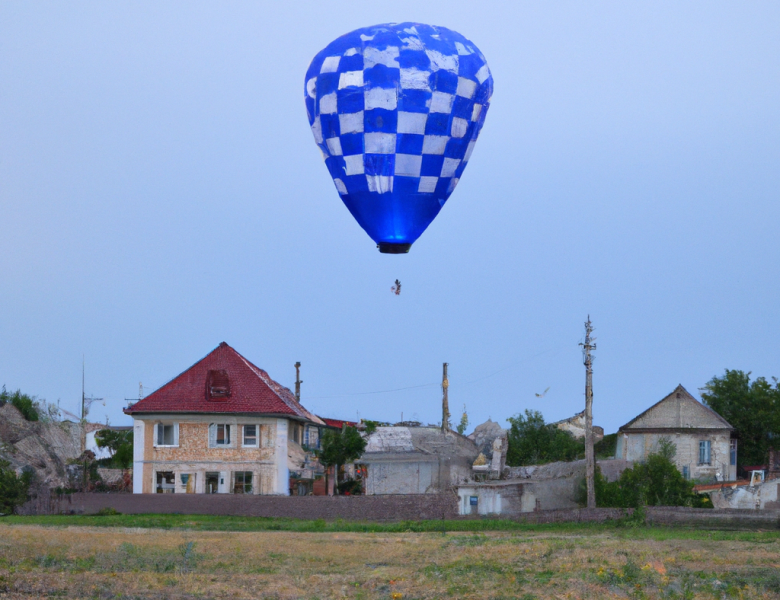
<point x="221" y="426"/>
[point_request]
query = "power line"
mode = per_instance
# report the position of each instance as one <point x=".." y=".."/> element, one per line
<point x="424" y="385"/>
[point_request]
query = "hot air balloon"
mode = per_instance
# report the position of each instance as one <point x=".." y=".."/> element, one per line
<point x="396" y="110"/>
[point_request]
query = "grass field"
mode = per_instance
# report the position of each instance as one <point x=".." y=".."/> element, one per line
<point x="177" y="556"/>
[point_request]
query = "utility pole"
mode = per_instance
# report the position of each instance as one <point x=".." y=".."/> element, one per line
<point x="445" y="405"/>
<point x="83" y="411"/>
<point x="298" y="381"/>
<point x="590" y="464"/>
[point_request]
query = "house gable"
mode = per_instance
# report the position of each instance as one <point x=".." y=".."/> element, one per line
<point x="678" y="410"/>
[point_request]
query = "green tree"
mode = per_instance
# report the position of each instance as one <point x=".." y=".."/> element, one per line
<point x="340" y="446"/>
<point x="14" y="490"/>
<point x="120" y="443"/>
<point x="533" y="442"/>
<point x="27" y="405"/>
<point x="464" y="422"/>
<point x="753" y="408"/>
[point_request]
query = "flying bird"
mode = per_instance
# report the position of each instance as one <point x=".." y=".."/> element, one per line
<point x="543" y="393"/>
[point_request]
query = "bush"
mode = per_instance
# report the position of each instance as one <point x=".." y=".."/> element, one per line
<point x="351" y="487"/>
<point x="655" y="482"/>
<point x="107" y="511"/>
<point x="14" y="490"/>
<point x="606" y="447"/>
<point x="24" y="403"/>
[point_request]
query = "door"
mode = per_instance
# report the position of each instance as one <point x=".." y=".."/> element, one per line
<point x="212" y="483"/>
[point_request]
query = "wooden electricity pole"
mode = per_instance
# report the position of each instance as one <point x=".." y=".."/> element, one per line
<point x="445" y="405"/>
<point x="590" y="464"/>
<point x="298" y="381"/>
<point x="83" y="410"/>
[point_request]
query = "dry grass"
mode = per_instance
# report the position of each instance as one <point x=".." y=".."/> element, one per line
<point x="91" y="562"/>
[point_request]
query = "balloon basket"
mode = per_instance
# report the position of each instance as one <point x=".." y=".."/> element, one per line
<point x="387" y="248"/>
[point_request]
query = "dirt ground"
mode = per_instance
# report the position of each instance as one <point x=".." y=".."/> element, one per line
<point x="90" y="562"/>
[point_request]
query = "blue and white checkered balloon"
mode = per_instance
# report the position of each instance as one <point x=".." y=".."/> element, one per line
<point x="396" y="110"/>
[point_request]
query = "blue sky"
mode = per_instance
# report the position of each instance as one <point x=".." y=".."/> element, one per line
<point x="160" y="192"/>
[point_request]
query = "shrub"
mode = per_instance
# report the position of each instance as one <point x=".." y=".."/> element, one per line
<point x="14" y="490"/>
<point x="655" y="482"/>
<point x="351" y="487"/>
<point x="25" y="404"/>
<point x="107" y="511"/>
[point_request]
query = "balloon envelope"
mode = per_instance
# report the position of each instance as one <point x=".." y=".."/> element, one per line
<point x="396" y="110"/>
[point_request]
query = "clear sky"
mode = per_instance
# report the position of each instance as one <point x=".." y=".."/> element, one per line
<point x="161" y="192"/>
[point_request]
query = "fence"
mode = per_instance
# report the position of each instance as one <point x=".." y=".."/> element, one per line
<point x="376" y="508"/>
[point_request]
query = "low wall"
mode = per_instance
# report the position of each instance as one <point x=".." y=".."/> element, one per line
<point x="708" y="518"/>
<point x="409" y="507"/>
<point x="356" y="508"/>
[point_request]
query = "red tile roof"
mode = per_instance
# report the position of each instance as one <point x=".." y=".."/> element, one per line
<point x="251" y="391"/>
<point x="337" y="423"/>
<point x="708" y="487"/>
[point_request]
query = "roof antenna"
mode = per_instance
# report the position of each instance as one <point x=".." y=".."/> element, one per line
<point x="298" y="381"/>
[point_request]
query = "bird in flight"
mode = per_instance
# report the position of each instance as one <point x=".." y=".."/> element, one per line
<point x="543" y="393"/>
<point x="396" y="289"/>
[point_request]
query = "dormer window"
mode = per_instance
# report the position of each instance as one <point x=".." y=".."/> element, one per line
<point x="217" y="385"/>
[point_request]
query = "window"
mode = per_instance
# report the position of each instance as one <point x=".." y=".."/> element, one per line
<point x="217" y="386"/>
<point x="311" y="437"/>
<point x="704" y="452"/>
<point x="250" y="436"/>
<point x="219" y="435"/>
<point x="223" y="435"/>
<point x="294" y="432"/>
<point x="733" y="452"/>
<point x="165" y="482"/>
<point x="686" y="473"/>
<point x="243" y="482"/>
<point x="166" y="434"/>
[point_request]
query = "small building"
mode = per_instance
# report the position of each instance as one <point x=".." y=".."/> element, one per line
<point x="416" y="460"/>
<point x="552" y="486"/>
<point x="222" y="426"/>
<point x="576" y="427"/>
<point x="705" y="442"/>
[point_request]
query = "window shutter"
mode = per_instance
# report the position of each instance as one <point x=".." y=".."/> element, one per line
<point x="212" y="435"/>
<point x="156" y="434"/>
<point x="265" y="435"/>
<point x="176" y="434"/>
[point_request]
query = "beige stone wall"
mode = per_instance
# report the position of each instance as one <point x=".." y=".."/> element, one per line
<point x="193" y="455"/>
<point x="638" y="446"/>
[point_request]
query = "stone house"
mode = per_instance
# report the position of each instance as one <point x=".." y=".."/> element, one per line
<point x="706" y="446"/>
<point x="221" y="426"/>
<point x="416" y="460"/>
<point x="576" y="427"/>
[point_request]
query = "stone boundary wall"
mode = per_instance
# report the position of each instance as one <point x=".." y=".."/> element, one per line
<point x="354" y="508"/>
<point x="411" y="507"/>
<point x="713" y="518"/>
